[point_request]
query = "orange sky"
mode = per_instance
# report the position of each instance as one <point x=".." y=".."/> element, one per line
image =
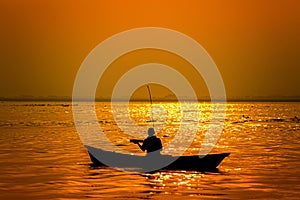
<point x="255" y="44"/>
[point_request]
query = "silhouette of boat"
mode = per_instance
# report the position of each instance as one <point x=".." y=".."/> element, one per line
<point x="208" y="162"/>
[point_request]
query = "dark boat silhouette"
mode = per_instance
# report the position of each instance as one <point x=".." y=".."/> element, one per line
<point x="208" y="162"/>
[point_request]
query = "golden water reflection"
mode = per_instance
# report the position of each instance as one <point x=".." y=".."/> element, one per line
<point x="187" y="184"/>
<point x="42" y="156"/>
<point x="167" y="118"/>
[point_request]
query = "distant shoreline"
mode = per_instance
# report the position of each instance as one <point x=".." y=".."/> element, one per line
<point x="143" y="100"/>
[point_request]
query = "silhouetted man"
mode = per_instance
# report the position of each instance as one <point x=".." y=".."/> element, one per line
<point x="151" y="143"/>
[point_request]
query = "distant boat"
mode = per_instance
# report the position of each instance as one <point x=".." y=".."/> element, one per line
<point x="208" y="162"/>
<point x="295" y="119"/>
<point x="277" y="120"/>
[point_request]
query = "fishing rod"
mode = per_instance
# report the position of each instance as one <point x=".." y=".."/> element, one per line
<point x="151" y="105"/>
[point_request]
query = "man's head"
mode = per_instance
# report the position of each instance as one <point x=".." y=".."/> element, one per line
<point x="151" y="131"/>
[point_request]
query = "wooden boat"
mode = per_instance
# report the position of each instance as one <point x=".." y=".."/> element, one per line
<point x="156" y="162"/>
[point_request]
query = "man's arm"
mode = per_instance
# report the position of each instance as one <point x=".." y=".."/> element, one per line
<point x="141" y="146"/>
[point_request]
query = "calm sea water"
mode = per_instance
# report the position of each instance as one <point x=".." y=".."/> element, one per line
<point x="42" y="156"/>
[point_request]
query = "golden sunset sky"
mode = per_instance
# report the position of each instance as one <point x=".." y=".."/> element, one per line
<point x="255" y="44"/>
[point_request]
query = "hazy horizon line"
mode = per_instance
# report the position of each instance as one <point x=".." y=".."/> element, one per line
<point x="69" y="99"/>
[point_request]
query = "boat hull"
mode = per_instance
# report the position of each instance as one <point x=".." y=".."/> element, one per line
<point x="209" y="162"/>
